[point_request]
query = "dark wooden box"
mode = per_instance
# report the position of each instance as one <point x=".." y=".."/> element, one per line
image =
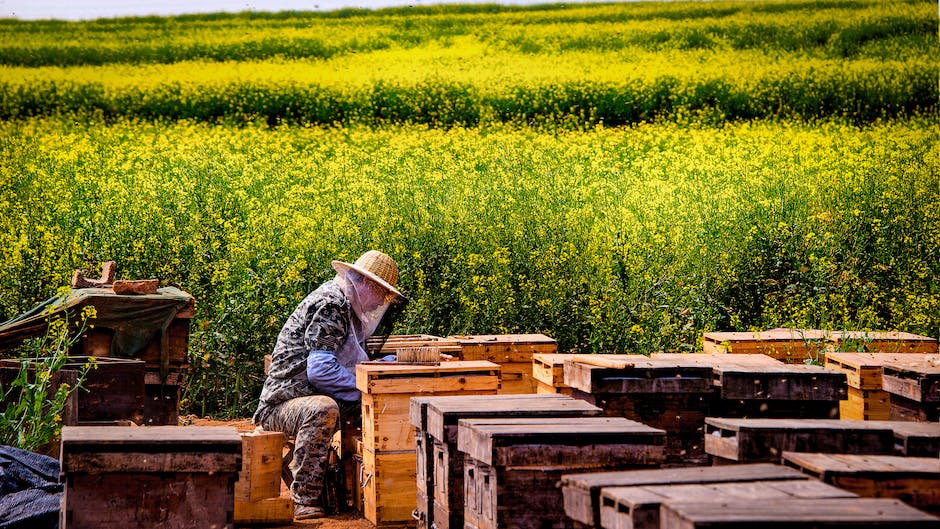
<point x="582" y="492"/>
<point x="445" y="463"/>
<point x="113" y="390"/>
<point x="757" y="440"/>
<point x="914" y="480"/>
<point x="914" y="386"/>
<point x="779" y="391"/>
<point x="795" y="513"/>
<point x="149" y="477"/>
<point x="9" y="371"/>
<point x="670" y="394"/>
<point x="512" y="466"/>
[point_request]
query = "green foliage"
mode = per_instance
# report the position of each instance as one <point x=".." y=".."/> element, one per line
<point x="36" y="398"/>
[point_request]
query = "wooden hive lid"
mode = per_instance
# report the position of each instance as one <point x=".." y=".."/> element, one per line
<point x="480" y="438"/>
<point x="393" y="377"/>
<point x="665" y="476"/>
<point x="445" y="412"/>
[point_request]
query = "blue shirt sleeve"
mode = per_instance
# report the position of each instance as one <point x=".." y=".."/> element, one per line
<point x="330" y="378"/>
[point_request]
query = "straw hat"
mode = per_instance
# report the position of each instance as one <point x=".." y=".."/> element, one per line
<point x="375" y="265"/>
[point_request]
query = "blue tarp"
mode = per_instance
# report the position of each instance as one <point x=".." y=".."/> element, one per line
<point x="30" y="492"/>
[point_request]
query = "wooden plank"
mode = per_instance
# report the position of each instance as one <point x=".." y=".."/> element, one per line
<point x="582" y="492"/>
<point x="914" y="480"/>
<point x="221" y="438"/>
<point x="638" y="507"/>
<point x="150" y="462"/>
<point x="275" y="510"/>
<point x="795" y="513"/>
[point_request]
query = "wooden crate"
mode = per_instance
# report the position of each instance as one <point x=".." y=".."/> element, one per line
<point x="512" y="351"/>
<point x="674" y="395"/>
<point x="788" y="345"/>
<point x="512" y="466"/>
<point x="866" y="398"/>
<point x="795" y="513"/>
<point x="882" y="342"/>
<point x="756" y="440"/>
<point x="445" y="463"/>
<point x="260" y="475"/>
<point x="914" y="386"/>
<point x="548" y="370"/>
<point x="781" y="391"/>
<point x="919" y="439"/>
<point x="583" y="492"/>
<point x="638" y="507"/>
<point x="389" y="437"/>
<point x="162" y="476"/>
<point x="914" y="480"/>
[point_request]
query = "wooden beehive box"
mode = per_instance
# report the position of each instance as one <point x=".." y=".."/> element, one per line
<point x="548" y="370"/>
<point x="583" y="492"/>
<point x="914" y="386"/>
<point x="513" y="352"/>
<point x="778" y="391"/>
<point x="794" y="513"/>
<point x="787" y="345"/>
<point x="882" y="342"/>
<point x="920" y="439"/>
<point x="866" y="398"/>
<point x="756" y="440"/>
<point x="389" y="445"/>
<point x="674" y="395"/>
<point x="445" y="463"/>
<point x="512" y="466"/>
<point x="397" y="342"/>
<point x="638" y="507"/>
<point x="258" y="488"/>
<point x="914" y="480"/>
<point x="162" y="476"/>
<point x="113" y="390"/>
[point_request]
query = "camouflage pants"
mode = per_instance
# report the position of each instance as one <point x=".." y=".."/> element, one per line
<point x="312" y="421"/>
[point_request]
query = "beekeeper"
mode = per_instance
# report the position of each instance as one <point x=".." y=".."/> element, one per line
<point x="311" y="381"/>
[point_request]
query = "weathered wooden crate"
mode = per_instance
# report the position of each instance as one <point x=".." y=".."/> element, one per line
<point x="156" y="477"/>
<point x="914" y="480"/>
<point x="445" y="463"/>
<point x="390" y="440"/>
<point x="512" y="466"/>
<point x="794" y="513"/>
<point x="866" y="398"/>
<point x="260" y="474"/>
<point x="788" y="345"/>
<point x="112" y="391"/>
<point x="548" y="370"/>
<point x="882" y="342"/>
<point x="672" y="394"/>
<point x="919" y="439"/>
<point x="638" y="507"/>
<point x="755" y="440"/>
<point x="513" y="352"/>
<point x="778" y="391"/>
<point x="914" y="386"/>
<point x="583" y="492"/>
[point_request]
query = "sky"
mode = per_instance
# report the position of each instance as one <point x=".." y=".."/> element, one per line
<point x="91" y="9"/>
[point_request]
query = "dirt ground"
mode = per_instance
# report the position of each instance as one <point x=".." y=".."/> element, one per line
<point x="350" y="520"/>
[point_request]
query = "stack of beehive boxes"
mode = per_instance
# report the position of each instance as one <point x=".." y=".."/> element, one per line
<point x="389" y="462"/>
<point x="258" y="489"/>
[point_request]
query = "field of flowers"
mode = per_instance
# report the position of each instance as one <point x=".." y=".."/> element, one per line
<point x="778" y="164"/>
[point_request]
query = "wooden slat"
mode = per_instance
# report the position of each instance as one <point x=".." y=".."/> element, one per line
<point x="260" y="474"/>
<point x="390" y="377"/>
<point x="222" y="438"/>
<point x="795" y="513"/>
<point x="266" y="511"/>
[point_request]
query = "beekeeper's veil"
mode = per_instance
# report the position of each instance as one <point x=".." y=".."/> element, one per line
<point x="370" y="286"/>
